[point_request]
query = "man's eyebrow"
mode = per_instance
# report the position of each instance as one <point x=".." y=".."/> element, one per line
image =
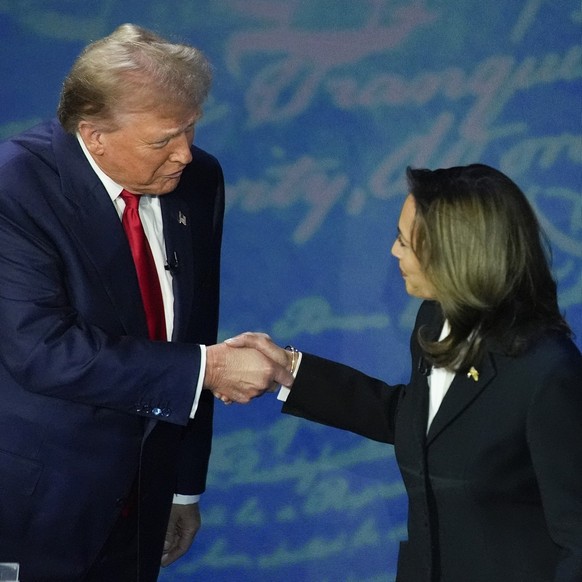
<point x="174" y="132"/>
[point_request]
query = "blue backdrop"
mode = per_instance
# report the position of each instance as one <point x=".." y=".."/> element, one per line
<point x="317" y="108"/>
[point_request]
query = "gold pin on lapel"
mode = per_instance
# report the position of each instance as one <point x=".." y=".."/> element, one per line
<point x="472" y="373"/>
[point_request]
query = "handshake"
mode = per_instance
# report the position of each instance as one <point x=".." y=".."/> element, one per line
<point x="247" y="366"/>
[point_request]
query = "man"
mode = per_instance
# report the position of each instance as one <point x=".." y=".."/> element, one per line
<point x="104" y="420"/>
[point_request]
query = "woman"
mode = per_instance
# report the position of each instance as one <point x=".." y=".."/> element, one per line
<point x="488" y="432"/>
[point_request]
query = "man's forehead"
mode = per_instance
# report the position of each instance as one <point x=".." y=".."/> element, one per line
<point x="160" y="119"/>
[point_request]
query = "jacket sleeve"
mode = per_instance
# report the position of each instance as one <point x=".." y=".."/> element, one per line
<point x="554" y="435"/>
<point x="195" y="449"/>
<point x="339" y="396"/>
<point x="54" y="346"/>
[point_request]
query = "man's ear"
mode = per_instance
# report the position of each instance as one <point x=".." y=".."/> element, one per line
<point x="92" y="137"/>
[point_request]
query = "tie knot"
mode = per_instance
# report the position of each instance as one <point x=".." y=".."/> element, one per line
<point x="131" y="200"/>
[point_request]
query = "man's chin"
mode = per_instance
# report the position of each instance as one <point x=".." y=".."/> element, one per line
<point x="164" y="186"/>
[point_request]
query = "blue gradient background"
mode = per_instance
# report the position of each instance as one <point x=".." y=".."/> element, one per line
<point x="317" y="108"/>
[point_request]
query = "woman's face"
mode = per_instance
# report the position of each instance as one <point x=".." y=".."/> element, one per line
<point x="415" y="280"/>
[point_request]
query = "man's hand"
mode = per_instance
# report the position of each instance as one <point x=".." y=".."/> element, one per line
<point x="264" y="344"/>
<point x="182" y="528"/>
<point x="239" y="375"/>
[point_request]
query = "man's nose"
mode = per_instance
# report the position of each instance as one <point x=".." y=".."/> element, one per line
<point x="181" y="152"/>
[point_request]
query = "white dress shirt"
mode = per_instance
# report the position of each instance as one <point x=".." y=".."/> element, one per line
<point x="439" y="382"/>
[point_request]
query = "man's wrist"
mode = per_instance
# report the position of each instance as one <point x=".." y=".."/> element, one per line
<point x="214" y="363"/>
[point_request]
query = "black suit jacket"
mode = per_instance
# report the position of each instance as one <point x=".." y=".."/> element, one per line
<point x="495" y="487"/>
<point x="81" y="384"/>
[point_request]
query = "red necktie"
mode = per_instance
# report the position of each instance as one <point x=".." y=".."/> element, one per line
<point x="149" y="284"/>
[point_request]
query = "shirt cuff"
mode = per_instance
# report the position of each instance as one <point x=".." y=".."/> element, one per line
<point x="200" y="382"/>
<point x="185" y="499"/>
<point x="284" y="391"/>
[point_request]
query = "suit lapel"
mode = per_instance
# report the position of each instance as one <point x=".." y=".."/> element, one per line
<point x="94" y="223"/>
<point x="463" y="391"/>
<point x="431" y="326"/>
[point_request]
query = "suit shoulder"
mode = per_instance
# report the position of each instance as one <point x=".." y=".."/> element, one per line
<point x="204" y="173"/>
<point x="551" y="372"/>
<point x="26" y="160"/>
<point x="559" y="349"/>
<point x="35" y="139"/>
<point x="551" y="359"/>
<point x="202" y="157"/>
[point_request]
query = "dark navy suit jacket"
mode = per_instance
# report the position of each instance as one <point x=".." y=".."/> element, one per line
<point x="495" y="487"/>
<point x="80" y="383"/>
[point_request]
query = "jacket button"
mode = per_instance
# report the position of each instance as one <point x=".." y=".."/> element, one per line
<point x="120" y="501"/>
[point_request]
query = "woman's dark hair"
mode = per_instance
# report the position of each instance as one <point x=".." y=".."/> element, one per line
<point x="482" y="248"/>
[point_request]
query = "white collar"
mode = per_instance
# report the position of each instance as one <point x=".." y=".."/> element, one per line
<point x="112" y="187"/>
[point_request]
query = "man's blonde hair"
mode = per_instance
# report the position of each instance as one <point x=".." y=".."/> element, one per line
<point x="132" y="69"/>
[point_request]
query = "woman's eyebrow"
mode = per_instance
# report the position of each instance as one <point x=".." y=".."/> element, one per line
<point x="401" y="235"/>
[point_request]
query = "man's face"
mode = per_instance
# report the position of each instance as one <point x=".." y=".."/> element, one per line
<point x="148" y="151"/>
